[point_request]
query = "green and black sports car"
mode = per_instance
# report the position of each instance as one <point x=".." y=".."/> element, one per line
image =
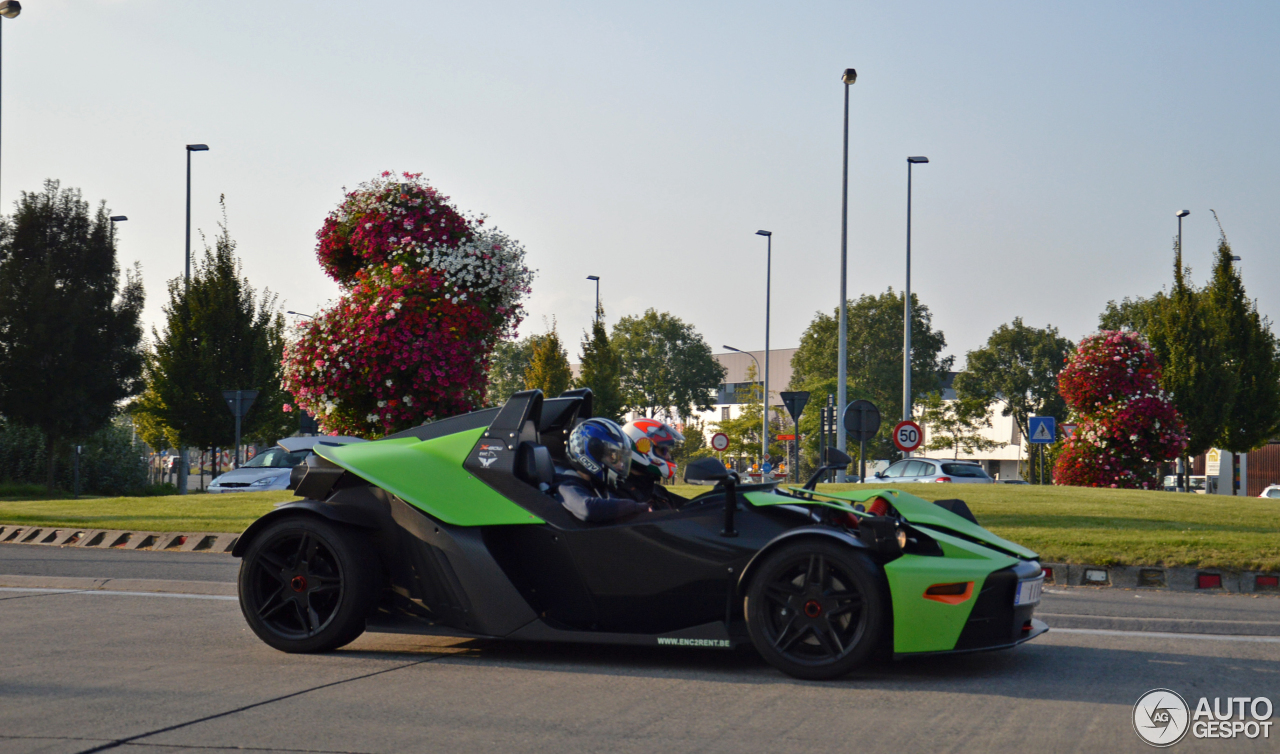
<point x="448" y="529"/>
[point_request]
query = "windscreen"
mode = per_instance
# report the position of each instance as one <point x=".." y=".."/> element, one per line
<point x="964" y="470"/>
<point x="276" y="458"/>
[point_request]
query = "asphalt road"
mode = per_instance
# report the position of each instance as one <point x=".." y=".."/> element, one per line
<point x="84" y="671"/>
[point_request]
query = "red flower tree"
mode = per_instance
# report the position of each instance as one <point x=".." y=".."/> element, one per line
<point x="428" y="292"/>
<point x="1126" y="424"/>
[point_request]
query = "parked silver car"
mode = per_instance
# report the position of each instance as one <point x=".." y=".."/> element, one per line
<point x="912" y="470"/>
<point x="269" y="470"/>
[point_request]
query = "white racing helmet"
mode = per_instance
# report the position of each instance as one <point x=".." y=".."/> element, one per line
<point x="661" y="440"/>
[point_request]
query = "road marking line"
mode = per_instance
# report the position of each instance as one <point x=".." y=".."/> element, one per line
<point x="1131" y="617"/>
<point x="1164" y="635"/>
<point x="121" y="594"/>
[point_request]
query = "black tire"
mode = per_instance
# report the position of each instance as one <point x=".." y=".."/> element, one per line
<point x="307" y="585"/>
<point x="817" y="610"/>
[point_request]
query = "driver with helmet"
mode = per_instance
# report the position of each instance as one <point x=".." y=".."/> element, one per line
<point x="600" y="454"/>
<point x="652" y="462"/>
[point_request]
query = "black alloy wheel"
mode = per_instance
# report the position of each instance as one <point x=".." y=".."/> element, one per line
<point x="816" y="610"/>
<point x="307" y="585"/>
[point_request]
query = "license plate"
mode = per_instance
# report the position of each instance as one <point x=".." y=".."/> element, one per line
<point x="1028" y="592"/>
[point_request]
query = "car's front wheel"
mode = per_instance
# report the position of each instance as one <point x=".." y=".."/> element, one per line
<point x="307" y="585"/>
<point x="816" y="610"/>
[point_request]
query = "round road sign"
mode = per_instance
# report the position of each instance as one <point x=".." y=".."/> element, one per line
<point x="862" y="420"/>
<point x="719" y="442"/>
<point x="907" y="436"/>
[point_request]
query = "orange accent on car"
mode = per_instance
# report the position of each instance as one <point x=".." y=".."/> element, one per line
<point x="878" y="506"/>
<point x="950" y="594"/>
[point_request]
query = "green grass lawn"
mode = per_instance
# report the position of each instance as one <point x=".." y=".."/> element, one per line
<point x="228" y="512"/>
<point x="1118" y="527"/>
<point x="1063" y="524"/>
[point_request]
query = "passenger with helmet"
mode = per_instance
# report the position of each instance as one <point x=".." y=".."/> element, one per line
<point x="652" y="461"/>
<point x="600" y="455"/>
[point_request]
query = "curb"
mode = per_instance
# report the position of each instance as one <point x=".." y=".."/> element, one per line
<point x="160" y="586"/>
<point x="119" y="539"/>
<point x="1211" y="580"/>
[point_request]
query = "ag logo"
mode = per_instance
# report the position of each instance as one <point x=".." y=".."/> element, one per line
<point x="1161" y="717"/>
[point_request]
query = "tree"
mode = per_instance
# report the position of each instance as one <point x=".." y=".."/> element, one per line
<point x="956" y="425"/>
<point x="667" y="368"/>
<point x="695" y="443"/>
<point x="1140" y="315"/>
<point x="506" y="372"/>
<point x="874" y="365"/>
<point x="219" y="335"/>
<point x="147" y="411"/>
<point x="70" y="338"/>
<point x="601" y="371"/>
<point x="549" y="365"/>
<point x="1250" y="351"/>
<point x="1126" y="424"/>
<point x="1018" y="367"/>
<point x="1195" y="373"/>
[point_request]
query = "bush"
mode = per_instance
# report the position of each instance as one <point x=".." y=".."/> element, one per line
<point x="1126" y="423"/>
<point x="110" y="464"/>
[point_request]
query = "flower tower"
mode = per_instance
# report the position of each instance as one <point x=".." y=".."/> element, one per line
<point x="427" y="292"/>
<point x="1126" y="425"/>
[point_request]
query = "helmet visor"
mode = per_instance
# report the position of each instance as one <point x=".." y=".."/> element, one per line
<point x="615" y="456"/>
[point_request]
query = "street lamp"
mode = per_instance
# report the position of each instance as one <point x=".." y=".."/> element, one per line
<point x="906" y="304"/>
<point x="10" y="9"/>
<point x="765" y="442"/>
<point x="842" y="347"/>
<point x="115" y="219"/>
<point x="596" y="278"/>
<point x="768" y="282"/>
<point x="1182" y="462"/>
<point x="190" y="148"/>
<point x="300" y="314"/>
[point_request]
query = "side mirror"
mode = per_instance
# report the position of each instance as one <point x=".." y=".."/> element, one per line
<point x="837" y="457"/>
<point x="879" y="475"/>
<point x="705" y="470"/>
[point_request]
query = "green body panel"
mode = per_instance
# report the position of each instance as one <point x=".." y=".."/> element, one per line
<point x="920" y="511"/>
<point x="922" y="625"/>
<point x="429" y="475"/>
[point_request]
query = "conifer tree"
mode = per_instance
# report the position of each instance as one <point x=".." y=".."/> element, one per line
<point x="70" y="338"/>
<point x="1249" y="351"/>
<point x="601" y="371"/>
<point x="1195" y="374"/>
<point x="219" y="335"/>
<point x="549" y="366"/>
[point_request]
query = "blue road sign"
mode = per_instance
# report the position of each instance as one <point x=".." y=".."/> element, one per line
<point x="1043" y="430"/>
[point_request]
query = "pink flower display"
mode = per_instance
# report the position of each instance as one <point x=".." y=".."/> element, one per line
<point x="427" y="295"/>
<point x="1126" y="423"/>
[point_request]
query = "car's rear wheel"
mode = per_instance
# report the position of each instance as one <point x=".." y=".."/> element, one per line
<point x="307" y="585"/>
<point x="816" y="610"/>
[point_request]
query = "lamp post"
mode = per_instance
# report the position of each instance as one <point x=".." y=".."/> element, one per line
<point x="596" y="278"/>
<point x="115" y="219"/>
<point x="300" y="314"/>
<point x="906" y="304"/>
<point x="190" y="148"/>
<point x="768" y="282"/>
<point x="842" y="347"/>
<point x="1184" y="472"/>
<point x="764" y="444"/>
<point x="9" y="9"/>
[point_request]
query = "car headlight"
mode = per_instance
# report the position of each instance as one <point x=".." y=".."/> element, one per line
<point x="263" y="482"/>
<point x="902" y="538"/>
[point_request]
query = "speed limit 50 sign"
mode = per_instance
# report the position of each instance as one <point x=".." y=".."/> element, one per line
<point x="907" y="436"/>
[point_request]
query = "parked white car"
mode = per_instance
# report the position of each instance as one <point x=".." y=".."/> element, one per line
<point x="1273" y="491"/>
<point x="911" y="470"/>
<point x="269" y="470"/>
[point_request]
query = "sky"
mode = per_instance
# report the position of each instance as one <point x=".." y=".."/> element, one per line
<point x="646" y="143"/>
